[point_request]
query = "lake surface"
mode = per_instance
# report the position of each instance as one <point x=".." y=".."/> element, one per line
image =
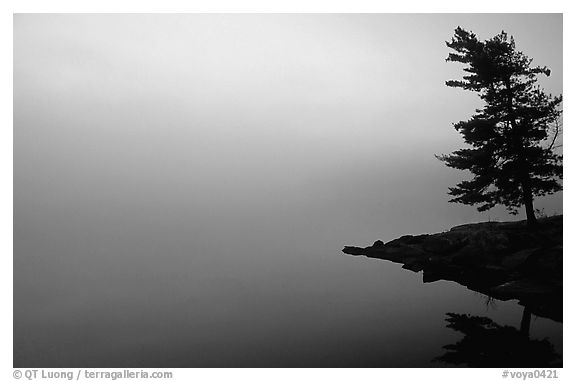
<point x="124" y="283"/>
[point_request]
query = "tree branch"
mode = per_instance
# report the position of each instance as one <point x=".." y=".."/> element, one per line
<point x="551" y="147"/>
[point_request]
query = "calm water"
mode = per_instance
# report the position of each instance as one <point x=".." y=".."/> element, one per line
<point x="132" y="284"/>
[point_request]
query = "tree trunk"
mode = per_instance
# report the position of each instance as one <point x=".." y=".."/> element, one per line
<point x="523" y="168"/>
<point x="528" y="203"/>
<point x="525" y="323"/>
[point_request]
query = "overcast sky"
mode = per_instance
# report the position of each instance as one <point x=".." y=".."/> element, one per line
<point x="318" y="109"/>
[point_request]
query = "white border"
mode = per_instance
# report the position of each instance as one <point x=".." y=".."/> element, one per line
<point x="294" y="6"/>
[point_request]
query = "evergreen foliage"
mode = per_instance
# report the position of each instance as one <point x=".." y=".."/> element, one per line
<point x="512" y="139"/>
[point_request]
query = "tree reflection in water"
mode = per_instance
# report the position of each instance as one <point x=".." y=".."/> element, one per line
<point x="488" y="344"/>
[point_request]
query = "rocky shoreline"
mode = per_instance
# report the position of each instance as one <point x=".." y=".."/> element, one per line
<point x="504" y="260"/>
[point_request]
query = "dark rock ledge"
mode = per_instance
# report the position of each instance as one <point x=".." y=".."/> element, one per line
<point x="504" y="260"/>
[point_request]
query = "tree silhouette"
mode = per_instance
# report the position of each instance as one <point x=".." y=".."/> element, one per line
<point x="488" y="344"/>
<point x="512" y="138"/>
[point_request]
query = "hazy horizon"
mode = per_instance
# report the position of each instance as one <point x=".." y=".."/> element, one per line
<point x="317" y="107"/>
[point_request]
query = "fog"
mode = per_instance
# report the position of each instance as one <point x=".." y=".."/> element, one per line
<point x="205" y="167"/>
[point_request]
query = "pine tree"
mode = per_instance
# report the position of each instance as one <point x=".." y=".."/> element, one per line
<point x="512" y="138"/>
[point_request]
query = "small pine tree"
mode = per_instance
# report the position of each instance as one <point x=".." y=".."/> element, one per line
<point x="512" y="156"/>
